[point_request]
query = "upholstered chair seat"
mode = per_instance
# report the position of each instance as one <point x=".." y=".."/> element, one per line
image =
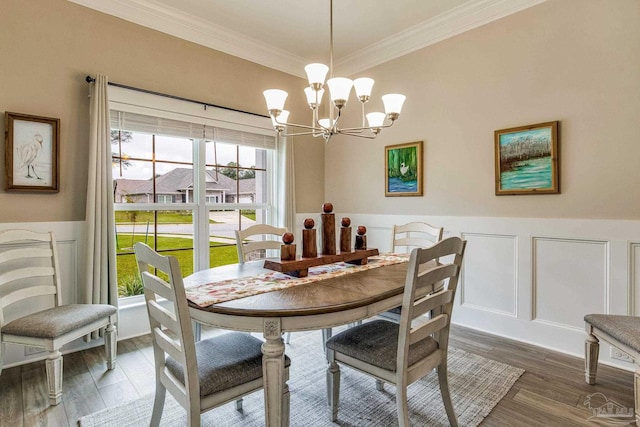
<point x="57" y="321"/>
<point x="225" y="361"/>
<point x="376" y="343"/>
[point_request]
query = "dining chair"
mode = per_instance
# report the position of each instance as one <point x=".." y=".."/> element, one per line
<point x="623" y="333"/>
<point x="411" y="235"/>
<point x="266" y="233"/>
<point x="30" y="275"/>
<point x="403" y="353"/>
<point x="258" y="237"/>
<point x="199" y="375"/>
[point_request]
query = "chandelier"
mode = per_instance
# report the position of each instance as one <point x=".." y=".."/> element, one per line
<point x="339" y="91"/>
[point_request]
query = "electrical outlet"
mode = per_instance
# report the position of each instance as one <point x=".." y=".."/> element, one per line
<point x="621" y="355"/>
<point x="29" y="350"/>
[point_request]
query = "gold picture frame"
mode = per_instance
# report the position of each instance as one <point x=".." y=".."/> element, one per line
<point x="527" y="159"/>
<point x="403" y="169"/>
<point x="31" y="153"/>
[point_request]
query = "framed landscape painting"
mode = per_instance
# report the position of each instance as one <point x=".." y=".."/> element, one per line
<point x="403" y="171"/>
<point x="31" y="153"/>
<point x="527" y="159"/>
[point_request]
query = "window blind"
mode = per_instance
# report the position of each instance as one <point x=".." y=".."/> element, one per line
<point x="135" y="122"/>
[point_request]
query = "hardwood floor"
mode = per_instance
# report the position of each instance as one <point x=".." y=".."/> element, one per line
<point x="551" y="392"/>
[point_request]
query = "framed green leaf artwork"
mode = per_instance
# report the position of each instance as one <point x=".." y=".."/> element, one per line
<point x="403" y="171"/>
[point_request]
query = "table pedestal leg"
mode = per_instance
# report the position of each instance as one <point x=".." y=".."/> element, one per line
<point x="274" y="376"/>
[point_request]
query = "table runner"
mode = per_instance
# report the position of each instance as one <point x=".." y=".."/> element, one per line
<point x="226" y="290"/>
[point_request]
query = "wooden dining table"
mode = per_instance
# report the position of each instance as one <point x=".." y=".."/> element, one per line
<point x="322" y="304"/>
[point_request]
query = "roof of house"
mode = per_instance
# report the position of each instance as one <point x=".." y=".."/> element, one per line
<point x="179" y="180"/>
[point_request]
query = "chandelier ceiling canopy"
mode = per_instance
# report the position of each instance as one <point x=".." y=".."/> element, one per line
<point x="339" y="91"/>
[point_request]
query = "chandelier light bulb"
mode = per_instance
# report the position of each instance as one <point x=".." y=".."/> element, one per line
<point x="363" y="87"/>
<point x="280" y="121"/>
<point x="339" y="88"/>
<point x="327" y="124"/>
<point x="376" y="119"/>
<point x="393" y="104"/>
<point x="316" y="73"/>
<point x="311" y="96"/>
<point x="275" y="99"/>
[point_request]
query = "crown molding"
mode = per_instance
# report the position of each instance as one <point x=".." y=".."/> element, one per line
<point x="194" y="29"/>
<point x="456" y="21"/>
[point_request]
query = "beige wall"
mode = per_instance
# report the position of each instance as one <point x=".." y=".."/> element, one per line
<point x="576" y="61"/>
<point x="48" y="46"/>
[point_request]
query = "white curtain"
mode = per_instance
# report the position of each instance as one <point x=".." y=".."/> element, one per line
<point x="101" y="286"/>
<point x="286" y="184"/>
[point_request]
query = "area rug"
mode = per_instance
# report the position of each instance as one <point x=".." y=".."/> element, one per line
<point x="477" y="384"/>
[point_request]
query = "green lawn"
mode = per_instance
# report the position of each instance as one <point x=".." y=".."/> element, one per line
<point x="182" y="248"/>
<point x="165" y="217"/>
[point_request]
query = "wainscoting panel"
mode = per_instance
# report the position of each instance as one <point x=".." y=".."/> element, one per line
<point x="534" y="279"/>
<point x="489" y="277"/>
<point x="634" y="278"/>
<point x="570" y="278"/>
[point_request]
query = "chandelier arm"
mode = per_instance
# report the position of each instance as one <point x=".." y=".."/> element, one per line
<point x="359" y="135"/>
<point x="312" y="133"/>
<point x="365" y="128"/>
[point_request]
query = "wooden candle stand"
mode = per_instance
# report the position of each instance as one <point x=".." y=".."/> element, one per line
<point x="300" y="267"/>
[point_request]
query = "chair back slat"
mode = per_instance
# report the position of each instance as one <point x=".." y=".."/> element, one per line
<point x="26" y="273"/>
<point x="158" y="286"/>
<point x="431" y="302"/>
<point x="269" y="239"/>
<point x="21" y="294"/>
<point x="415" y="234"/>
<point x="426" y="271"/>
<point x="24" y="253"/>
<point x="432" y="326"/>
<point x="28" y="269"/>
<point x="163" y="316"/>
<point x="168" y="345"/>
<point x="173" y="315"/>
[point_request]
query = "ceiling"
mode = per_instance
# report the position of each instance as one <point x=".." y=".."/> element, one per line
<point x="288" y="34"/>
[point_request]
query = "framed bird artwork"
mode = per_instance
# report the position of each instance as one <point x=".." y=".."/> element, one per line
<point x="403" y="172"/>
<point x="31" y="153"/>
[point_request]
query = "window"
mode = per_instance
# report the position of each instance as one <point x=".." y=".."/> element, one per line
<point x="184" y="188"/>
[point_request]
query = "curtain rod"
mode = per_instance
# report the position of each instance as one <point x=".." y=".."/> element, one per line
<point x="90" y="79"/>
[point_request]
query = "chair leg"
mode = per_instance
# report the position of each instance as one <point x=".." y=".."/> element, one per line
<point x="111" y="345"/>
<point x="326" y="334"/>
<point x="636" y="395"/>
<point x="446" y="396"/>
<point x="402" y="405"/>
<point x="1" y="353"/>
<point x="591" y="352"/>
<point x="286" y="404"/>
<point x="158" y="404"/>
<point x="333" y="388"/>
<point x="54" y="377"/>
<point x="239" y="404"/>
<point x="379" y="385"/>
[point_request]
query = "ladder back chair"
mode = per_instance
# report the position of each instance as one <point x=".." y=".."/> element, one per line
<point x="202" y="375"/>
<point x="403" y="353"/>
<point x="29" y="274"/>
<point x="269" y="239"/>
<point x="411" y="235"/>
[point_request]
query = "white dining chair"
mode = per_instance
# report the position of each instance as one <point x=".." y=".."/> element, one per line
<point x="30" y="274"/>
<point x="403" y="353"/>
<point x="258" y="238"/>
<point x="409" y="236"/>
<point x="202" y="375"/>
